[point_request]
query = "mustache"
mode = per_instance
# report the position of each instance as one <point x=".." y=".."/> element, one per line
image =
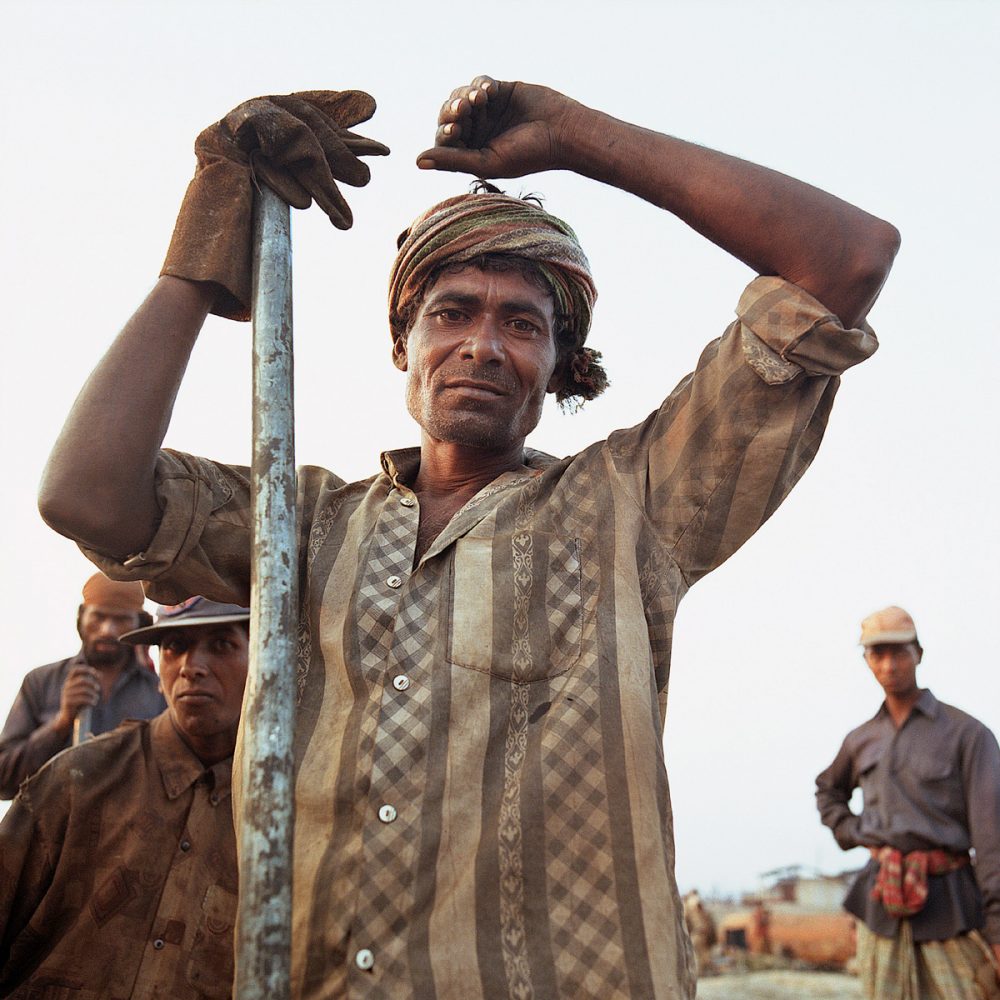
<point x="502" y="380"/>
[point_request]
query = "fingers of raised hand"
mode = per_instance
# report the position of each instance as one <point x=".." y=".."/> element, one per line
<point x="462" y="115"/>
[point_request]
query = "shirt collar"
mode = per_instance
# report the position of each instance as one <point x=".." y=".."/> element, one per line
<point x="179" y="767"/>
<point x="927" y="704"/>
<point x="401" y="465"/>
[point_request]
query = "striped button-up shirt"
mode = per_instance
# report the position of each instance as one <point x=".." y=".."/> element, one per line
<point x="481" y="801"/>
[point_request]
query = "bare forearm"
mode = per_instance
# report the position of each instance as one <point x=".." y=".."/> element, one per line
<point x="98" y="484"/>
<point x="775" y="224"/>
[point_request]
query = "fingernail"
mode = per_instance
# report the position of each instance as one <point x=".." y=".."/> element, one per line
<point x="473" y="96"/>
<point x="456" y="104"/>
<point x="486" y="85"/>
<point x="448" y="129"/>
<point x="425" y="163"/>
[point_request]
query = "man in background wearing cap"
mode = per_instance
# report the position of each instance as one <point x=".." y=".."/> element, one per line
<point x="118" y="858"/>
<point x="105" y="675"/>
<point x="930" y="775"/>
<point x="481" y="804"/>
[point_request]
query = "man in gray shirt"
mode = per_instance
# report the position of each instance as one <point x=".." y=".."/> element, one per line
<point x="928" y="917"/>
<point x="105" y="675"/>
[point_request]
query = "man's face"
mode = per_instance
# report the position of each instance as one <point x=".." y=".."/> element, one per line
<point x="99" y="630"/>
<point x="203" y="670"/>
<point x="480" y="356"/>
<point x="894" y="665"/>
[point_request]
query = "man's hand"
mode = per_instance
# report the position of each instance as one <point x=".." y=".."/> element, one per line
<point x="495" y="129"/>
<point x="81" y="688"/>
<point x="300" y="145"/>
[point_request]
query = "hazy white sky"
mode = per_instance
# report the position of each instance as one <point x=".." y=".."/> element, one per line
<point x="890" y="105"/>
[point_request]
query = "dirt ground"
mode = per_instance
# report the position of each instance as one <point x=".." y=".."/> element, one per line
<point x="780" y="985"/>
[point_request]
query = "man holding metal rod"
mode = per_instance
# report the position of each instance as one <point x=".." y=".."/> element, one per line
<point x="106" y="683"/>
<point x="482" y="808"/>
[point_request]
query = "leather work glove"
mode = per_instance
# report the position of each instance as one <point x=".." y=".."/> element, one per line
<point x="297" y="144"/>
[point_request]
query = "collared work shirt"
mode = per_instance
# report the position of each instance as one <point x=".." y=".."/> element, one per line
<point x="28" y="739"/>
<point x="481" y="802"/>
<point x="118" y="873"/>
<point x="932" y="783"/>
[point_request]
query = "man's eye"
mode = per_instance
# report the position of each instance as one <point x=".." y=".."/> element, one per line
<point x="523" y="326"/>
<point x="451" y="315"/>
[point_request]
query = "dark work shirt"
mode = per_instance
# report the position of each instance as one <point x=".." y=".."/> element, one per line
<point x="932" y="783"/>
<point x="28" y="739"/>
<point x="118" y="873"/>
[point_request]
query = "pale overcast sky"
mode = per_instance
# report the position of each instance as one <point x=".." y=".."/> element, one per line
<point x="890" y="105"/>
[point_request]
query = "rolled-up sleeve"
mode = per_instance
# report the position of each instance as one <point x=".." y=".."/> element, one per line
<point x="726" y="447"/>
<point x="202" y="544"/>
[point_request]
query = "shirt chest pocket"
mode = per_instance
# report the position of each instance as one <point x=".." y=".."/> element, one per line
<point x="516" y="605"/>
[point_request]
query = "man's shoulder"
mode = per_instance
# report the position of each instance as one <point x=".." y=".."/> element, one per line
<point x="47" y="672"/>
<point x="961" y="719"/>
<point x="92" y="759"/>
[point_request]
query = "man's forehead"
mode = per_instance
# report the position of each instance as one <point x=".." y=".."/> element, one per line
<point x="103" y="609"/>
<point x="197" y="631"/>
<point x="474" y="283"/>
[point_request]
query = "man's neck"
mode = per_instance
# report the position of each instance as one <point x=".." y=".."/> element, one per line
<point x="454" y="470"/>
<point x="899" y="707"/>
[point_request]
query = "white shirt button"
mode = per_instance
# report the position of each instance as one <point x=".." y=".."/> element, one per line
<point x="395" y="582"/>
<point x="364" y="959"/>
<point x="401" y="683"/>
<point x="408" y="501"/>
<point x="387" y="814"/>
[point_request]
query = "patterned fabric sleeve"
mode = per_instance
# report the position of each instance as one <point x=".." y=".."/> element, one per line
<point x="205" y="508"/>
<point x="716" y="460"/>
<point x="202" y="545"/>
<point x="25" y="874"/>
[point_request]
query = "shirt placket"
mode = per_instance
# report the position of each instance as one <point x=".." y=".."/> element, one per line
<point x="396" y="615"/>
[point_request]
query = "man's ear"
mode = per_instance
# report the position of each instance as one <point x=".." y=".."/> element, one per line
<point x="399" y="353"/>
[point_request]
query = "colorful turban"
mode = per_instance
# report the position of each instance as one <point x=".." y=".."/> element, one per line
<point x="470" y="225"/>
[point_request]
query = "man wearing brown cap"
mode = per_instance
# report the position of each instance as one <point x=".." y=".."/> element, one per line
<point x="928" y="917"/>
<point x="482" y="809"/>
<point x="105" y="676"/>
<point x="118" y="858"/>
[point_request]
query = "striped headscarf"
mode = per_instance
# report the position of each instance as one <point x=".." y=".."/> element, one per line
<point x="470" y="225"/>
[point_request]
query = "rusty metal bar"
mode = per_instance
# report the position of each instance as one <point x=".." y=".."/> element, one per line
<point x="263" y="935"/>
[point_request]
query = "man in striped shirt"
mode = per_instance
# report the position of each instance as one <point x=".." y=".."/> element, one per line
<point x="482" y="807"/>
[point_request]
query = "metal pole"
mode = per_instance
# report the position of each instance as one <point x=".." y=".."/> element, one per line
<point x="263" y="936"/>
<point x="82" y="724"/>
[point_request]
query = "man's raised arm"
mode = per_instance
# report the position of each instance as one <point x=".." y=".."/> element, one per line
<point x="775" y="224"/>
<point x="99" y="486"/>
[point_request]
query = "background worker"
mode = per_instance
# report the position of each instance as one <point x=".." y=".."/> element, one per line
<point x="118" y="858"/>
<point x="115" y="680"/>
<point x="930" y="775"/>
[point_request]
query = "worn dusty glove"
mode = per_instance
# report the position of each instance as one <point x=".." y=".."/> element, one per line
<point x="297" y="144"/>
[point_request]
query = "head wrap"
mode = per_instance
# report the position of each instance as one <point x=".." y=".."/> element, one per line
<point x="470" y="225"/>
<point x="112" y="595"/>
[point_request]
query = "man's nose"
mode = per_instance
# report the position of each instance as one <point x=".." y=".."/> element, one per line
<point x="194" y="662"/>
<point x="484" y="342"/>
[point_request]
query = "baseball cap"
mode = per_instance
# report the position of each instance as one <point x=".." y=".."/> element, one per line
<point x="891" y="624"/>
<point x="194" y="611"/>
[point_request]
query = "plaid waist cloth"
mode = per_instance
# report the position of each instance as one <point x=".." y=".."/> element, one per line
<point x="901" y="885"/>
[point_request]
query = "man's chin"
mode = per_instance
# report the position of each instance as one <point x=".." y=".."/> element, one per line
<point x="105" y="656"/>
